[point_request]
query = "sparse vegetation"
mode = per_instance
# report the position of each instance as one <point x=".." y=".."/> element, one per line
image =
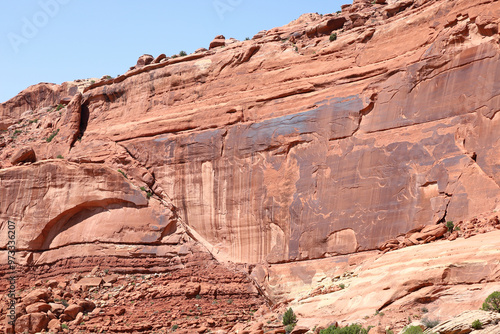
<point x="49" y="138"/>
<point x="476" y="324"/>
<point x="16" y="132"/>
<point x="174" y="328"/>
<point x="289" y="328"/>
<point x="333" y="37"/>
<point x="247" y="38"/>
<point x="492" y="302"/>
<point x="60" y="156"/>
<point x="351" y="329"/>
<point x="430" y="323"/>
<point x="33" y="121"/>
<point x="450" y="226"/>
<point x="413" y="330"/>
<point x="289" y="317"/>
<point x="182" y="53"/>
<point x="59" y="106"/>
<point x="342" y="286"/>
<point x="122" y="173"/>
<point x="425" y="309"/>
<point x="198" y="297"/>
<point x="64" y="326"/>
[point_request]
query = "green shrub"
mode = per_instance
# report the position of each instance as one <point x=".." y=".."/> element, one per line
<point x="429" y="323"/>
<point x="413" y="330"/>
<point x="450" y="226"/>
<point x="342" y="286"/>
<point x="333" y="37"/>
<point x="122" y="173"/>
<point x="64" y="326"/>
<point x="198" y="297"/>
<point x="49" y="138"/>
<point x="425" y="309"/>
<point x="60" y="156"/>
<point x="59" y="106"/>
<point x="492" y="302"/>
<point x="247" y="38"/>
<point x="289" y="317"/>
<point x="289" y="328"/>
<point x="476" y="324"/>
<point x="174" y="328"/>
<point x="352" y="329"/>
<point x="182" y="53"/>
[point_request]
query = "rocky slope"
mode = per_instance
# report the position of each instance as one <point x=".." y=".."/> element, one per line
<point x="294" y="156"/>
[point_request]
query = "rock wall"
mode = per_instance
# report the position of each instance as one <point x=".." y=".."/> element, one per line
<point x="287" y="147"/>
<point x="276" y="155"/>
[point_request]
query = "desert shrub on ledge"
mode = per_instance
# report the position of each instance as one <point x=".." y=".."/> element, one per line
<point x="492" y="302"/>
<point x="351" y="329"/>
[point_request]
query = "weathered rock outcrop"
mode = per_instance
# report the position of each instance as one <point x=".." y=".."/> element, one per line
<point x="291" y="146"/>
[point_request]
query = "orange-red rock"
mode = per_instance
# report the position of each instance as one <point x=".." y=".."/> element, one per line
<point x="289" y="155"/>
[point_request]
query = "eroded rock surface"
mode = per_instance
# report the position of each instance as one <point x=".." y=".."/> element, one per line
<point x="293" y="150"/>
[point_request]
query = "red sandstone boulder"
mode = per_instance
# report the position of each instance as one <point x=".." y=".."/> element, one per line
<point x="86" y="305"/>
<point x="23" y="155"/>
<point x="23" y="323"/>
<point x="39" y="322"/>
<point x="38" y="307"/>
<point x="218" y="42"/>
<point x="159" y="58"/>
<point x="35" y="296"/>
<point x="90" y="282"/>
<point x="144" y="60"/>
<point x="73" y="310"/>
<point x="54" y="326"/>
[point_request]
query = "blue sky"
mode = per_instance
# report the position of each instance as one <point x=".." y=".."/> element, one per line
<point x="63" y="40"/>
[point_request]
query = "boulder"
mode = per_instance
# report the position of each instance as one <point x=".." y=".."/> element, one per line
<point x="144" y="60"/>
<point x="35" y="296"/>
<point x="89" y="282"/>
<point x="218" y="42"/>
<point x="73" y="310"/>
<point x="487" y="25"/>
<point x="39" y="322"/>
<point x="159" y="58"/>
<point x="38" y="307"/>
<point x="23" y="155"/>
<point x="54" y="326"/>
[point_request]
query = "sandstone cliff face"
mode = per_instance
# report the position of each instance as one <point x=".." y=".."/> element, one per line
<point x="287" y="147"/>
<point x="275" y="155"/>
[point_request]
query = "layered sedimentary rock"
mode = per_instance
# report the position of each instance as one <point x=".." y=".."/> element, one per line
<point x="328" y="136"/>
<point x="274" y="154"/>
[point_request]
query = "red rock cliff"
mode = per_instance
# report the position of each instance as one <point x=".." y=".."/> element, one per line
<point x="291" y="146"/>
